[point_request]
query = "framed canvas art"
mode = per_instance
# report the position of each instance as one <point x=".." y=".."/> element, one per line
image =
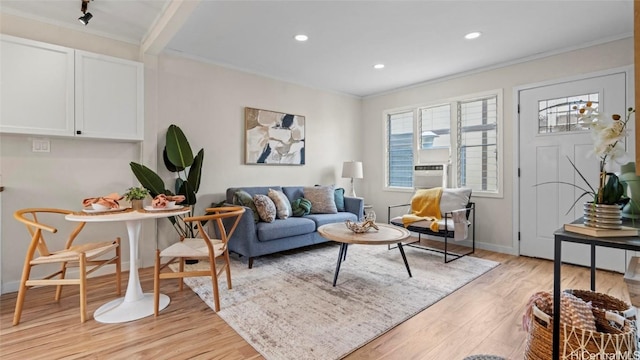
<point x="273" y="138"/>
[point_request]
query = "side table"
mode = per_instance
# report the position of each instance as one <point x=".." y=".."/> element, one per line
<point x="624" y="243"/>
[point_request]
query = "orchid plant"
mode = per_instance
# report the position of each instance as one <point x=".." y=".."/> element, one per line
<point x="608" y="134"/>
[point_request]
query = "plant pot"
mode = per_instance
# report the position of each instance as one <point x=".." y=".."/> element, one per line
<point x="136" y="205"/>
<point x="602" y="216"/>
<point x="632" y="181"/>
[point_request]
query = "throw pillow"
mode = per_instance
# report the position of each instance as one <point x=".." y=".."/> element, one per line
<point x="243" y="198"/>
<point x="266" y="207"/>
<point x="454" y="199"/>
<point x="339" y="199"/>
<point x="283" y="208"/>
<point x="300" y="207"/>
<point x="322" y="199"/>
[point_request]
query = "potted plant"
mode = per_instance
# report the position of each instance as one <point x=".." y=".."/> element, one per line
<point x="135" y="195"/>
<point x="610" y="194"/>
<point x="179" y="159"/>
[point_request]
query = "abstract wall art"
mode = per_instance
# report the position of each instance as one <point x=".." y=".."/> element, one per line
<point x="274" y="138"/>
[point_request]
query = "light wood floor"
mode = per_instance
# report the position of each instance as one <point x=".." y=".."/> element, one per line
<point x="483" y="317"/>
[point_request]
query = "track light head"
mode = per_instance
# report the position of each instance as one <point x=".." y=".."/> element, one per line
<point x="86" y="16"/>
<point x="84" y="19"/>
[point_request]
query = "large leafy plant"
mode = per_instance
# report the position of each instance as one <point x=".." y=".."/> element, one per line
<point x="178" y="159"/>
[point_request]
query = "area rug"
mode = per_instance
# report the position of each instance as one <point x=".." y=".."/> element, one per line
<point x="287" y="308"/>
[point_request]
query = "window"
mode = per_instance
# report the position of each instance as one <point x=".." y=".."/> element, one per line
<point x="558" y="115"/>
<point x="400" y="146"/>
<point x="468" y="126"/>
<point x="435" y="126"/>
<point x="477" y="144"/>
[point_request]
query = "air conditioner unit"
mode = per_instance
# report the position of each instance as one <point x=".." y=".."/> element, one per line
<point x="427" y="176"/>
<point x="432" y="168"/>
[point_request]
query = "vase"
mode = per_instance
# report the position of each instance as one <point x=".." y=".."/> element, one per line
<point x="602" y="216"/>
<point x="632" y="182"/>
<point x="136" y="205"/>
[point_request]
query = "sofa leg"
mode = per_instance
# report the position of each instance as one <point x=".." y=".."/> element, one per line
<point x="250" y="262"/>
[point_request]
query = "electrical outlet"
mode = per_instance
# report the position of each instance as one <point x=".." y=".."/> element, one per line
<point x="40" y="145"/>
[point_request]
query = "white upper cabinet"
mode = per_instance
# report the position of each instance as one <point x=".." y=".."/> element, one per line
<point x="109" y="97"/>
<point x="36" y="81"/>
<point x="58" y="91"/>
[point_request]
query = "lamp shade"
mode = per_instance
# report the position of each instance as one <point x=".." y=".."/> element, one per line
<point x="352" y="169"/>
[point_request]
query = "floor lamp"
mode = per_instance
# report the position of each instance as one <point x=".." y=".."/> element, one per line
<point x="353" y="170"/>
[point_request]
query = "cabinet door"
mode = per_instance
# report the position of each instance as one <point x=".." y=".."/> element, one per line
<point x="36" y="87"/>
<point x="109" y="97"/>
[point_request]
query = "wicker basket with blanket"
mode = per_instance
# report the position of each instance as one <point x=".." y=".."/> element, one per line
<point x="586" y="331"/>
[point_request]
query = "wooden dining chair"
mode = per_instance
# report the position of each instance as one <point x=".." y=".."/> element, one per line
<point x="223" y="222"/>
<point x="88" y="257"/>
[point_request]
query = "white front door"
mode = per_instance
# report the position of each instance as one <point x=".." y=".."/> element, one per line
<point x="548" y="138"/>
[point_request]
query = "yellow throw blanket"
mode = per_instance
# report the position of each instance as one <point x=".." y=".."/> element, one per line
<point x="425" y="205"/>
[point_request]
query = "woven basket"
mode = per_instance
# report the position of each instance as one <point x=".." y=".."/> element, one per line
<point x="617" y="341"/>
<point x="605" y="302"/>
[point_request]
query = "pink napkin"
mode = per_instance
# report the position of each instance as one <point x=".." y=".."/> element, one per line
<point x="162" y="200"/>
<point x="110" y="201"/>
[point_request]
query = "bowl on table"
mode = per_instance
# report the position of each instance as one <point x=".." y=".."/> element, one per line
<point x="99" y="207"/>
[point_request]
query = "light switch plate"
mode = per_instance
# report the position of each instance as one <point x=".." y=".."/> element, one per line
<point x="40" y="145"/>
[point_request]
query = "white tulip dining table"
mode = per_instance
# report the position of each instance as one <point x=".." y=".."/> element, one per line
<point x="135" y="304"/>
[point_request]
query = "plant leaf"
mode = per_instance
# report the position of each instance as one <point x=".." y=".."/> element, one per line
<point x="178" y="150"/>
<point x="178" y="185"/>
<point x="581" y="176"/>
<point x="189" y="194"/>
<point x="613" y="190"/>
<point x="148" y="178"/>
<point x="195" y="172"/>
<point x="171" y="167"/>
<point x="575" y="202"/>
<point x="593" y="193"/>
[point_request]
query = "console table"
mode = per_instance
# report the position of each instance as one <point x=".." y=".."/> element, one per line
<point x="624" y="243"/>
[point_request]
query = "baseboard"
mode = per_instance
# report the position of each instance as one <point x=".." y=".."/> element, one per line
<point x="13" y="286"/>
<point x="497" y="248"/>
<point x="479" y="245"/>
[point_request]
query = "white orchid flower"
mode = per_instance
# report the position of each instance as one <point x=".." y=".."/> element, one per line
<point x="608" y="133"/>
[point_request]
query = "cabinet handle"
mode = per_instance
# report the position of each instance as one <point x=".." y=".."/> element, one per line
<point x="78" y="132"/>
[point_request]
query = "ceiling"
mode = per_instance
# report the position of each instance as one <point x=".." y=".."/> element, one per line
<point x="418" y="41"/>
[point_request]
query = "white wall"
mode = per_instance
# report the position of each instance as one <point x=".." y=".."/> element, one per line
<point x="73" y="170"/>
<point x="207" y="102"/>
<point x="495" y="217"/>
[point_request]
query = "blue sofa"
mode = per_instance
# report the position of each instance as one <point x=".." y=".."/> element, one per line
<point x="253" y="239"/>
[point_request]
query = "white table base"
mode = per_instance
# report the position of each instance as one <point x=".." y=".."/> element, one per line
<point x="118" y="310"/>
<point x="135" y="304"/>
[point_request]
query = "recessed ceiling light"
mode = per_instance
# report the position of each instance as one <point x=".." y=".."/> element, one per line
<point x="473" y="35"/>
<point x="301" y="37"/>
<point x="378" y="66"/>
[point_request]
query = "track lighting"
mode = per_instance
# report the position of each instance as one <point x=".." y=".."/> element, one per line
<point x="84" y="19"/>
